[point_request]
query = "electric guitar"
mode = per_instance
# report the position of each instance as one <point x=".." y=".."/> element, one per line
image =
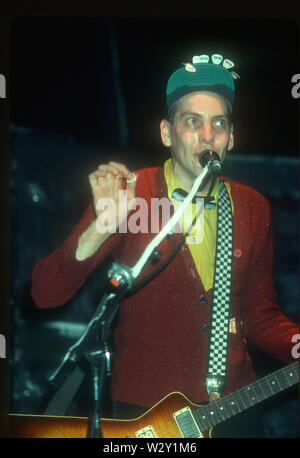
<point x="173" y="416"/>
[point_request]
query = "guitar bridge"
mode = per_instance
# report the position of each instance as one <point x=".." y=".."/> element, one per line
<point x="186" y="423"/>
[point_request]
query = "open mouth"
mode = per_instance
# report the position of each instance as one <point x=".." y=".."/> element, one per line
<point x="206" y="155"/>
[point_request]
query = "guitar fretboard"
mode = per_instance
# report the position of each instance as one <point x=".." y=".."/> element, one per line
<point x="248" y="396"/>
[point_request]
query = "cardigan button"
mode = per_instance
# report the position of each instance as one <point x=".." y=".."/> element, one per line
<point x="237" y="253"/>
<point x="206" y="328"/>
<point x="203" y="300"/>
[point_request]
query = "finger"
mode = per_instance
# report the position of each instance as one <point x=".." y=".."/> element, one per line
<point x="93" y="179"/>
<point x="103" y="167"/>
<point x="109" y="176"/>
<point x="105" y="174"/>
<point x="120" y="168"/>
<point x="108" y="168"/>
<point x="109" y="171"/>
<point x="99" y="174"/>
<point x="116" y="168"/>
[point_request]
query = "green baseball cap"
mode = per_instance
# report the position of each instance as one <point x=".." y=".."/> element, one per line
<point x="201" y="77"/>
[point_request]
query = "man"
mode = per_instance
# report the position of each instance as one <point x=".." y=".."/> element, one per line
<point x="163" y="335"/>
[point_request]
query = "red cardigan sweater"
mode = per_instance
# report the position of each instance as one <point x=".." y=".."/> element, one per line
<point x="161" y="337"/>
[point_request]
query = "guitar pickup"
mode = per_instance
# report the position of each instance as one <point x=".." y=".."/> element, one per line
<point x="186" y="423"/>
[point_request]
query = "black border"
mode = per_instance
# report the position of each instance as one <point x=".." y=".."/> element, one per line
<point x="14" y="10"/>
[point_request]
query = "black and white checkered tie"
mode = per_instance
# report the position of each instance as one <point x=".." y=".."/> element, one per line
<point x="220" y="315"/>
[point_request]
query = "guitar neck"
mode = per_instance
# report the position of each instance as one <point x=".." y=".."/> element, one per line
<point x="248" y="396"/>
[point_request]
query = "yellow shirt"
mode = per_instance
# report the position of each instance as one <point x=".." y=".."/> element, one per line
<point x="202" y="240"/>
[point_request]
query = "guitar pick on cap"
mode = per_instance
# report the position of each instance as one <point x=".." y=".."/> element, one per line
<point x="189" y="67"/>
<point x="203" y="59"/>
<point x="196" y="59"/>
<point x="216" y="59"/>
<point x="234" y="75"/>
<point x="228" y="63"/>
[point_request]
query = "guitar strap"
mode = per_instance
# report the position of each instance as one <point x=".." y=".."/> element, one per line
<point x="220" y="314"/>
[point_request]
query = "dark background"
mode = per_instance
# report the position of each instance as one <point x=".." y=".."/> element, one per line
<point x="85" y="91"/>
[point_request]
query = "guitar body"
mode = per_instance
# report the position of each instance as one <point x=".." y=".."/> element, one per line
<point x="175" y="416"/>
<point x="157" y="422"/>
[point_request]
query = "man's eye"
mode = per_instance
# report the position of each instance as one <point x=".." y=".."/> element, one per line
<point x="192" y="122"/>
<point x="220" y="123"/>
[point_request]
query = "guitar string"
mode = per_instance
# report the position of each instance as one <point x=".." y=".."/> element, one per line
<point x="244" y="393"/>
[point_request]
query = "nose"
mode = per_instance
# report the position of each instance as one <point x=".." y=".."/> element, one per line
<point x="207" y="133"/>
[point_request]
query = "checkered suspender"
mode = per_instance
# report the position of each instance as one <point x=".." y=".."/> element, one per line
<point x="219" y="329"/>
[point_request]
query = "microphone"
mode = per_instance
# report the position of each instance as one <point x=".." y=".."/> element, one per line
<point x="212" y="159"/>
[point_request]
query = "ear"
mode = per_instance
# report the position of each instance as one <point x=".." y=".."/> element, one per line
<point x="165" y="132"/>
<point x="231" y="139"/>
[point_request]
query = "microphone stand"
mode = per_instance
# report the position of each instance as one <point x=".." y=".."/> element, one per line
<point x="93" y="345"/>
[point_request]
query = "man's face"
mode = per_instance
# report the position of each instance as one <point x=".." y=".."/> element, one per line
<point x="200" y="123"/>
